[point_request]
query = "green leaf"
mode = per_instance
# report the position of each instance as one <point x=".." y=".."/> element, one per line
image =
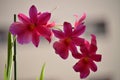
<point x="5" y="73"/>
<point x="42" y="72"/>
<point x="10" y="56"/>
<point x="37" y="78"/>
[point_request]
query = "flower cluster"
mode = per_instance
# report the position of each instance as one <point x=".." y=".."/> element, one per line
<point x="30" y="28"/>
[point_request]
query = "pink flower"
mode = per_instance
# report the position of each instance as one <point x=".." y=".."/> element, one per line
<point x="31" y="28"/>
<point x="68" y="39"/>
<point x="87" y="58"/>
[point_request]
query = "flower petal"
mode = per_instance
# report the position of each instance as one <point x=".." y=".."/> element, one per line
<point x="82" y="17"/>
<point x="77" y="66"/>
<point x="50" y="25"/>
<point x="35" y="38"/>
<point x="93" y="46"/>
<point x="59" y="34"/>
<point x="80" y="21"/>
<point x="85" y="73"/>
<point x="93" y="40"/>
<point x="73" y="48"/>
<point x="67" y="28"/>
<point x="84" y="49"/>
<point x="44" y="18"/>
<point x="17" y="28"/>
<point x="45" y="32"/>
<point x="24" y="38"/>
<point x="92" y="66"/>
<point x="80" y="66"/>
<point x="77" y="55"/>
<point x="74" y="51"/>
<point x="96" y="57"/>
<point x="33" y="13"/>
<point x="23" y="18"/>
<point x="79" y="30"/>
<point x="61" y="49"/>
<point x="78" y="41"/>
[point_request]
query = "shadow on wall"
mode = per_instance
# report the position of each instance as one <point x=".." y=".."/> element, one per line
<point x="101" y="77"/>
<point x="3" y="35"/>
<point x="96" y="25"/>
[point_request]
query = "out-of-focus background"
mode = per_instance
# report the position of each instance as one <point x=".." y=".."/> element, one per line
<point x="103" y="19"/>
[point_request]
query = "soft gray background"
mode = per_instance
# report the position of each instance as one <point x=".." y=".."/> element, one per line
<point x="30" y="59"/>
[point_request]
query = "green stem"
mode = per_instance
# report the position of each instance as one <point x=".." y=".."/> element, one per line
<point x="10" y="57"/>
<point x="14" y="57"/>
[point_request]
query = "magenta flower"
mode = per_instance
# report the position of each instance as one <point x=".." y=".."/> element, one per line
<point x="31" y="28"/>
<point x="87" y="58"/>
<point x="68" y="39"/>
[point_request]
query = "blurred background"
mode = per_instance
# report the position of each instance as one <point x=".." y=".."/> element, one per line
<point x="103" y="19"/>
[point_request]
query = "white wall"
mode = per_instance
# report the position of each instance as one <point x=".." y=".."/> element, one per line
<point x="30" y="59"/>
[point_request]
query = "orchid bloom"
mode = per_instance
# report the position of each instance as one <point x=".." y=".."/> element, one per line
<point x="31" y="28"/>
<point x="68" y="39"/>
<point x="87" y="58"/>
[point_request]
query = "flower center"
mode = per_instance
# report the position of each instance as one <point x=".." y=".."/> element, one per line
<point x="31" y="27"/>
<point x="86" y="60"/>
<point x="67" y="41"/>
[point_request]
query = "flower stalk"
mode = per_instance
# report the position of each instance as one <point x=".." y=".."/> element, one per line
<point x="14" y="57"/>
